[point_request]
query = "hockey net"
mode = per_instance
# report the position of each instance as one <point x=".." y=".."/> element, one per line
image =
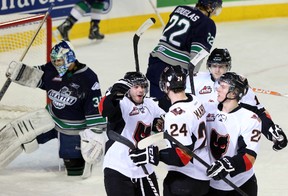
<point x="16" y="33"/>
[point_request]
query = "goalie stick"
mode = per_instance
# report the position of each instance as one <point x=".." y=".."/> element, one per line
<point x="146" y="25"/>
<point x="123" y="140"/>
<point x="9" y="81"/>
<point x="159" y="138"/>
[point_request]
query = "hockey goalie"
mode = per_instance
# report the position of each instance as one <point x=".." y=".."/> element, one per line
<point x="74" y="91"/>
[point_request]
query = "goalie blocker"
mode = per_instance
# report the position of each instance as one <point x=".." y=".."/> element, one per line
<point x="21" y="134"/>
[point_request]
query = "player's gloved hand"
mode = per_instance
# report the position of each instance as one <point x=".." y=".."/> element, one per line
<point x="147" y="155"/>
<point x="121" y="87"/>
<point x="158" y="124"/>
<point x="278" y="137"/>
<point x="220" y="168"/>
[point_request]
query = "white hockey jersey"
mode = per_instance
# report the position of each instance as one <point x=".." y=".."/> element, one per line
<point x="205" y="90"/>
<point x="138" y="121"/>
<point x="185" y="121"/>
<point x="227" y="132"/>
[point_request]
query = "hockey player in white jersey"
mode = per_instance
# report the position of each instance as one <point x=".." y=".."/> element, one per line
<point x="233" y="138"/>
<point x="185" y="121"/>
<point x="205" y="83"/>
<point x="131" y="115"/>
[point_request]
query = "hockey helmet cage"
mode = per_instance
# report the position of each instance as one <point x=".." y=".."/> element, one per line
<point x="210" y="6"/>
<point x="238" y="84"/>
<point x="219" y="56"/>
<point x="173" y="78"/>
<point x="62" y="51"/>
<point x="137" y="78"/>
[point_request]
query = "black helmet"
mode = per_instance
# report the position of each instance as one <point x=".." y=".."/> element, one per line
<point x="137" y="78"/>
<point x="238" y="84"/>
<point x="219" y="56"/>
<point x="209" y="5"/>
<point x="172" y="78"/>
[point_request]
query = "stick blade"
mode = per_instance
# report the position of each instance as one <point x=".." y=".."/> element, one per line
<point x="146" y="25"/>
<point x="156" y="139"/>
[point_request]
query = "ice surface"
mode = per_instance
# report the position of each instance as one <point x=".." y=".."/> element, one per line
<point x="259" y="51"/>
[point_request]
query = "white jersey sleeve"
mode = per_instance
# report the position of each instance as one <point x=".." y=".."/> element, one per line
<point x="251" y="99"/>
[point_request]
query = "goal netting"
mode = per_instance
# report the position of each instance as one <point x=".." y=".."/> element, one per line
<point x="16" y="33"/>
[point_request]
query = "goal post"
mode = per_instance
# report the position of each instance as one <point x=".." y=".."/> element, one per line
<point x="16" y="32"/>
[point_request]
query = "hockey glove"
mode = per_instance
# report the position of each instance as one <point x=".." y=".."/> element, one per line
<point x="158" y="124"/>
<point x="120" y="88"/>
<point x="147" y="155"/>
<point x="220" y="168"/>
<point x="24" y="75"/>
<point x="92" y="145"/>
<point x="278" y="137"/>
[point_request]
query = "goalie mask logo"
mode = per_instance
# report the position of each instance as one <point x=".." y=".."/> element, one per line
<point x="219" y="144"/>
<point x="62" y="98"/>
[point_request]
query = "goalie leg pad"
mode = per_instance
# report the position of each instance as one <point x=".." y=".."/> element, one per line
<point x="32" y="124"/>
<point x="21" y="133"/>
<point x="24" y="75"/>
<point x="10" y="146"/>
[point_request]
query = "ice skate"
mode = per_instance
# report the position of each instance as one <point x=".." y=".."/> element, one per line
<point x="95" y="33"/>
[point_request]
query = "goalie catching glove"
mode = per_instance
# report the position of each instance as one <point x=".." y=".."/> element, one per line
<point x="24" y="75"/>
<point x="147" y="155"/>
<point x="92" y="145"/>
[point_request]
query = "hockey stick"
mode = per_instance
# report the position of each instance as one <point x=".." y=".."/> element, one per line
<point x="159" y="139"/>
<point x="123" y="140"/>
<point x="146" y="25"/>
<point x="8" y="80"/>
<point x="157" y="13"/>
<point x="192" y="154"/>
<point x="268" y="92"/>
<point x="191" y="68"/>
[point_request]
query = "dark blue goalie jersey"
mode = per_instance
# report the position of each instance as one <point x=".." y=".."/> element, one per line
<point x="187" y="31"/>
<point x="74" y="98"/>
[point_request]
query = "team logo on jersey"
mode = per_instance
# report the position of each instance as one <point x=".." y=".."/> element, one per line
<point x="177" y="111"/>
<point x="136" y="111"/>
<point x="221" y="117"/>
<point x="254" y="116"/>
<point x="210" y="117"/>
<point x="96" y="86"/>
<point x="205" y="90"/>
<point x="62" y="98"/>
<point x="142" y="131"/>
<point x="219" y="144"/>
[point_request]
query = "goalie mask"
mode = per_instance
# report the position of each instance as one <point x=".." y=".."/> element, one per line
<point x="238" y="84"/>
<point x="62" y="56"/>
<point x="173" y="78"/>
